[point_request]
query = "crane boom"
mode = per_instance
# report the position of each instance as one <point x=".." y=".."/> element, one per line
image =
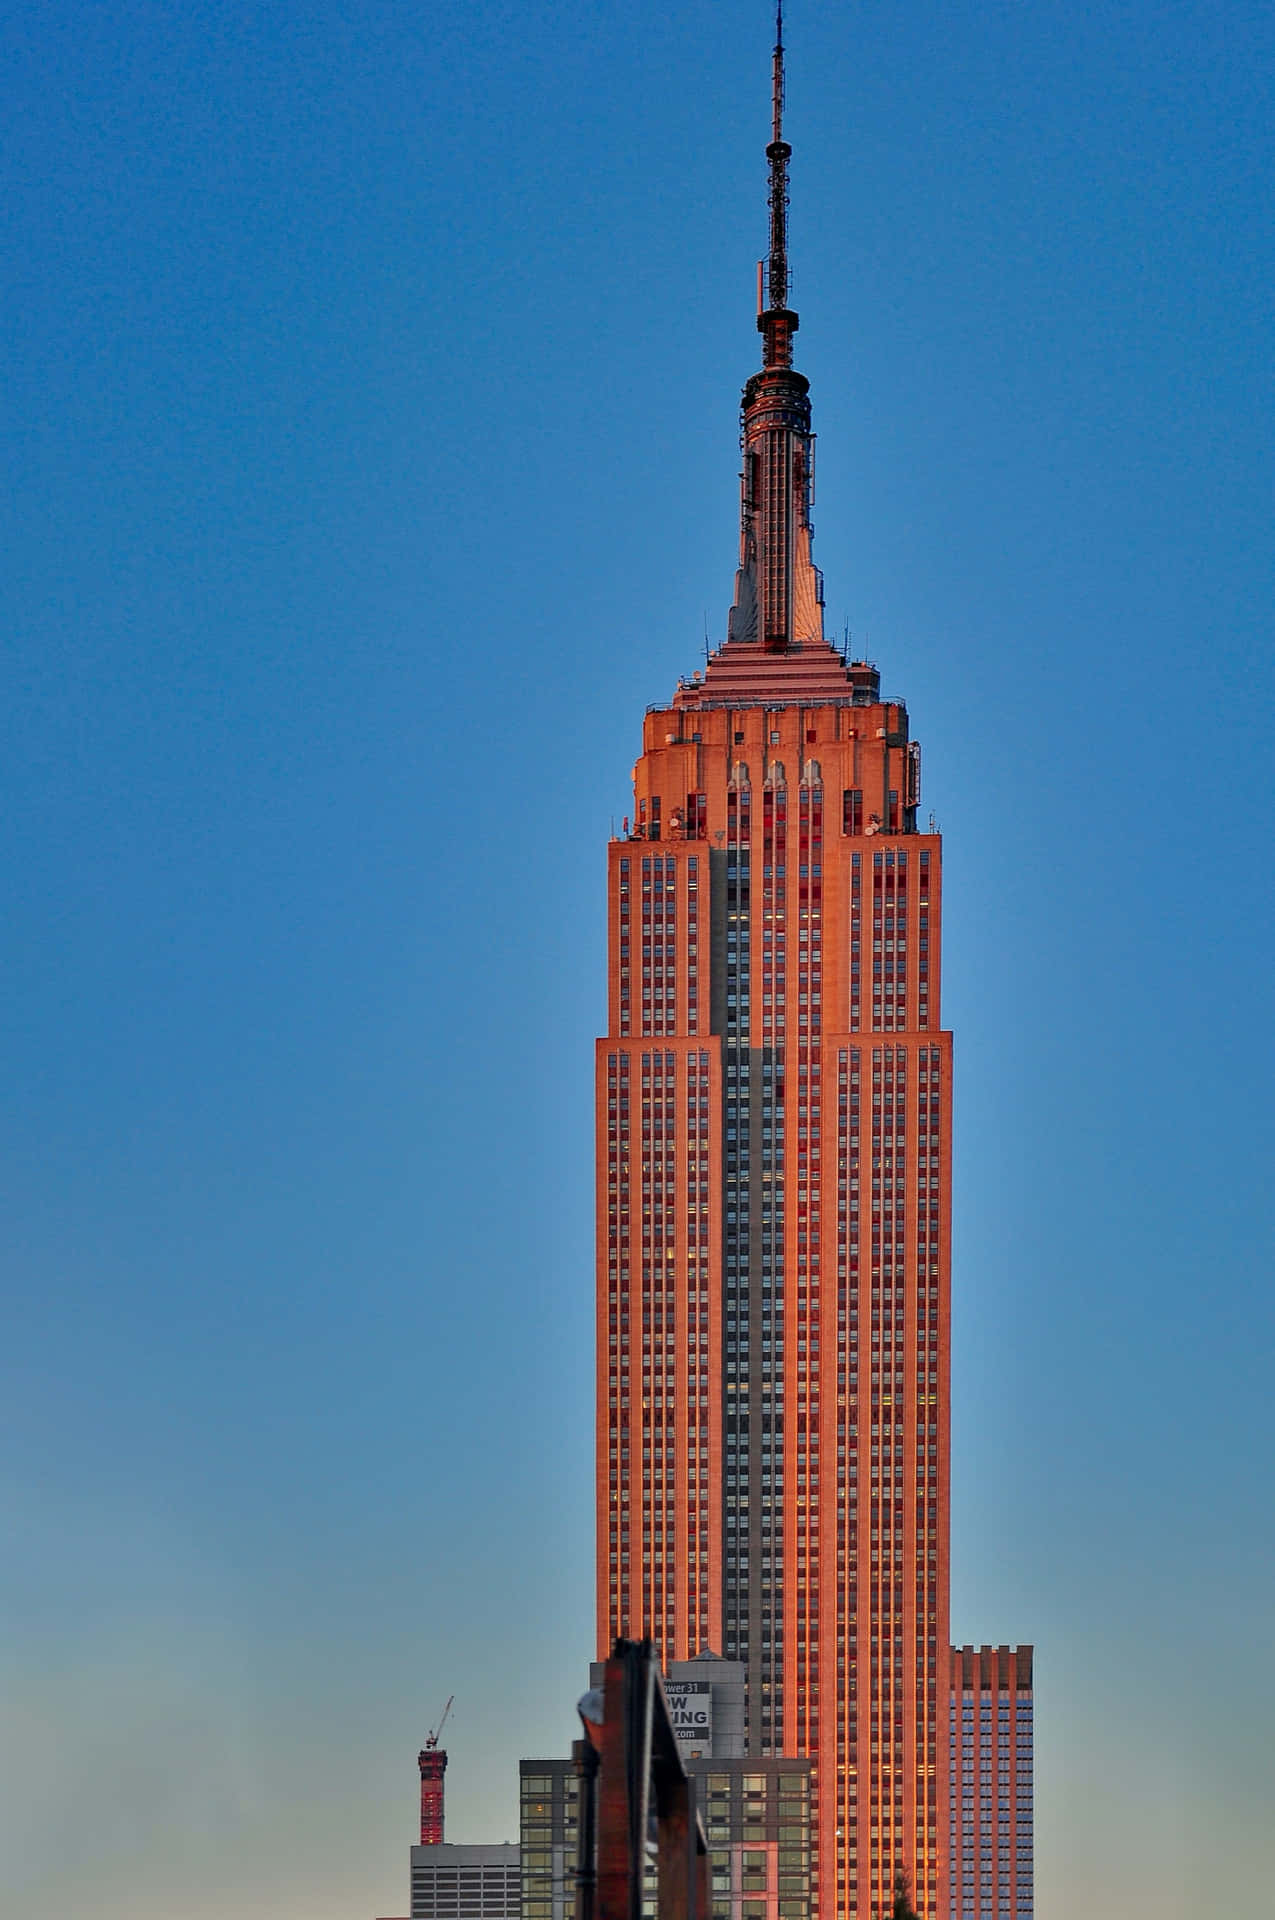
<point x="432" y="1739"/>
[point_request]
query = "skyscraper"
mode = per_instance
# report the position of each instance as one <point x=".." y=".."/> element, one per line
<point x="773" y="1101"/>
<point x="990" y="1776"/>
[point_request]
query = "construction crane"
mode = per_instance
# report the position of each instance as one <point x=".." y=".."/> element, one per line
<point x="431" y="1740"/>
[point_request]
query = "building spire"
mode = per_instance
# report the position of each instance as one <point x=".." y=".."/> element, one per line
<point x="778" y="592"/>
<point x="778" y="153"/>
<point x="776" y="322"/>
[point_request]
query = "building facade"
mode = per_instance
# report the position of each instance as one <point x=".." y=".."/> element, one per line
<point x="773" y="1163"/>
<point x="756" y="1816"/>
<point x="466" y="1883"/>
<point x="990" y="1778"/>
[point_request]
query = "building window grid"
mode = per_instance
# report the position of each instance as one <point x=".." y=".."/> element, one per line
<point x="659" y="945"/>
<point x="766" y="1320"/>
<point x="990" y="1822"/>
<point x="848" y="1619"/>
<point x="625" y="924"/>
<point x="774" y="1010"/>
<point x="737" y="1095"/>
<point x="806" y="1124"/>
<point x="619" y="1351"/>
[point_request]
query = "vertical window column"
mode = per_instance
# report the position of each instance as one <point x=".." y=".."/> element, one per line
<point x="856" y="937"/>
<point x="851" y="1765"/>
<point x="625" y="928"/>
<point x="692" y="944"/>
<point x="810" y="1383"/>
<point x="659" y="1349"/>
<point x="736" y="1132"/>
<point x="694" y="1427"/>
<point x="923" y="941"/>
<point x="647" y="948"/>
<point x="619" y="1149"/>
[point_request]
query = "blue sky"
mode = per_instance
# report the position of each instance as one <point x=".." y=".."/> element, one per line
<point x="370" y="389"/>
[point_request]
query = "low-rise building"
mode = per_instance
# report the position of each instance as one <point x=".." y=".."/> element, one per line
<point x="465" y="1883"/>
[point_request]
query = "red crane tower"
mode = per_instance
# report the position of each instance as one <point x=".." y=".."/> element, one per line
<point x="432" y="1761"/>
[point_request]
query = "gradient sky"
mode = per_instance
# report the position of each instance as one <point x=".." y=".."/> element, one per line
<point x="370" y="390"/>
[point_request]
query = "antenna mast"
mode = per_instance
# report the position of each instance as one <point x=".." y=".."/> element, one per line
<point x="778" y="153"/>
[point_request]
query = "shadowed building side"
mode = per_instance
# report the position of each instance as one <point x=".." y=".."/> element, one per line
<point x="991" y="1781"/>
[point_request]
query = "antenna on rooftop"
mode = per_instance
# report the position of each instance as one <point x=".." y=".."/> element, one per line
<point x="778" y="153"/>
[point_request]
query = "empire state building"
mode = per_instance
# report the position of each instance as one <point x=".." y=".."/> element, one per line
<point x="773" y="1167"/>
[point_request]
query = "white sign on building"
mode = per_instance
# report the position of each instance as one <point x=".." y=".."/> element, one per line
<point x="690" y="1706"/>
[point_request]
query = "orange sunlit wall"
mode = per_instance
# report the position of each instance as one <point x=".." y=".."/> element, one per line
<point x="774" y="1100"/>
